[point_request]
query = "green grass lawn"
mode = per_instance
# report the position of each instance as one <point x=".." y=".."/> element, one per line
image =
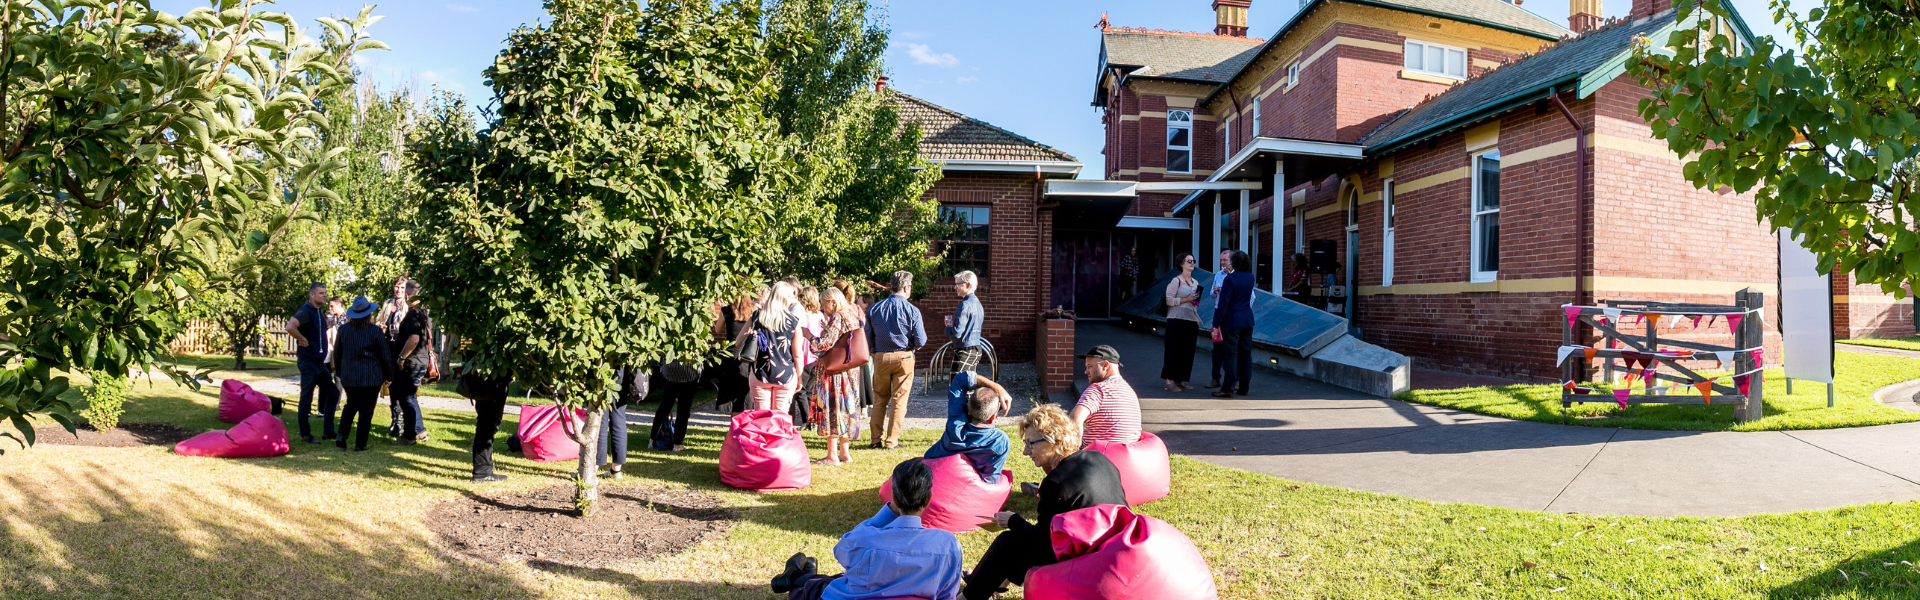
<point x="1905" y="343"/>
<point x="320" y="523"/>
<point x="1857" y="375"/>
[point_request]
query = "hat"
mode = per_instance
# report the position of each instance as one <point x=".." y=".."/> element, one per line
<point x="1106" y="353"/>
<point x="362" y="308"/>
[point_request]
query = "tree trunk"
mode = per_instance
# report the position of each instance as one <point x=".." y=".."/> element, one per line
<point x="587" y="494"/>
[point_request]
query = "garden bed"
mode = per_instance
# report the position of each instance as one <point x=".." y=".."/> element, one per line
<point x="631" y="524"/>
<point x="126" y="435"/>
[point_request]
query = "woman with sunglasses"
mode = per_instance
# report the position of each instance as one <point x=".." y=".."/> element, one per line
<point x="1183" y="326"/>
<point x="1075" y="480"/>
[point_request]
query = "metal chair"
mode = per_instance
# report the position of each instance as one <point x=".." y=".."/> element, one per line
<point x="939" y="367"/>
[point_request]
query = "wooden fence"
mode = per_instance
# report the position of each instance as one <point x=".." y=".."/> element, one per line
<point x="1643" y="358"/>
<point x="202" y="336"/>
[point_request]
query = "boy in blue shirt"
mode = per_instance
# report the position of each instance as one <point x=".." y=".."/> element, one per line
<point x="973" y="403"/>
<point x="888" y="556"/>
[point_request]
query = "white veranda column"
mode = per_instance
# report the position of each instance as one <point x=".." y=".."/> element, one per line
<point x="1246" y="218"/>
<point x="1281" y="258"/>
<point x="1196" y="235"/>
<point x="1212" y="261"/>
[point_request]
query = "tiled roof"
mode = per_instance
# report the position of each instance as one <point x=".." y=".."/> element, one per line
<point x="1496" y="12"/>
<point x="948" y="135"/>
<point x="1178" y="55"/>
<point x="1569" y="59"/>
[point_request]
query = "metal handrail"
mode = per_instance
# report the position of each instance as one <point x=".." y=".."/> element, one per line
<point x="937" y="369"/>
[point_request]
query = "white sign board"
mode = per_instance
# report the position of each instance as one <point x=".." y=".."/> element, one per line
<point x="1806" y="312"/>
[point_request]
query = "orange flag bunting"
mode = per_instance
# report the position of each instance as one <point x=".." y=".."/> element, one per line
<point x="1590" y="352"/>
<point x="1655" y="317"/>
<point x="1706" y="390"/>
<point x="1630" y="377"/>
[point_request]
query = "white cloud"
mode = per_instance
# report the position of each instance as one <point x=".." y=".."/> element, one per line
<point x="965" y="79"/>
<point x="461" y="8"/>
<point x="923" y="54"/>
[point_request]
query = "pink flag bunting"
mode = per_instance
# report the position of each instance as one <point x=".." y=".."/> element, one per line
<point x="1620" y="395"/>
<point x="1741" y="381"/>
<point x="1582" y="390"/>
<point x="1733" y="323"/>
<point x="1696" y="321"/>
<point x="1573" y="314"/>
<point x="1759" y="357"/>
<point x="1649" y="375"/>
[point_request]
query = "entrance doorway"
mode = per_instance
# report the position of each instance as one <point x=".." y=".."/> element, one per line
<point x="1088" y="277"/>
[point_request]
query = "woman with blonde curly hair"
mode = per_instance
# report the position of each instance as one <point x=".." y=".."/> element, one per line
<point x="1075" y="480"/>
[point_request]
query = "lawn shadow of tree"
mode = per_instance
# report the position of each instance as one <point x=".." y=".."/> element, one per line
<point x="1868" y="576"/>
<point x="98" y="533"/>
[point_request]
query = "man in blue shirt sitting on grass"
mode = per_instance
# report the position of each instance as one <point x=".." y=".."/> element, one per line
<point x="889" y="556"/>
<point x="973" y="403"/>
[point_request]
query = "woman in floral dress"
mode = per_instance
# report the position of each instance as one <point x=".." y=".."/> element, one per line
<point x="836" y="402"/>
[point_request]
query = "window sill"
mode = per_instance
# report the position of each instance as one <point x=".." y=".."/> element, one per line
<point x="1429" y="77"/>
<point x="1483" y="282"/>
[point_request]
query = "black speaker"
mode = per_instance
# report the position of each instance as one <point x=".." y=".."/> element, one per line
<point x="1321" y="257"/>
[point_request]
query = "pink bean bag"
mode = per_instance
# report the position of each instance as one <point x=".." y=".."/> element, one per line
<point x="260" y="435"/>
<point x="543" y="435"/>
<point x="1145" y="472"/>
<point x="961" y="502"/>
<point x="1108" y="553"/>
<point x="238" y="401"/>
<point x="764" y="453"/>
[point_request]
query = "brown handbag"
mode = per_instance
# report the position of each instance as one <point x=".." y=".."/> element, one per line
<point x="849" y="353"/>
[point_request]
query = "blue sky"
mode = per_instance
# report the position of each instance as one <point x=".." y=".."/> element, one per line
<point x="1027" y="66"/>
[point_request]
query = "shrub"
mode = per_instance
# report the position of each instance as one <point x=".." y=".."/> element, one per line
<point x="106" y="400"/>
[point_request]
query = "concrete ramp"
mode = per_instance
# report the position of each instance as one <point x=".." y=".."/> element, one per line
<point x="1288" y="336"/>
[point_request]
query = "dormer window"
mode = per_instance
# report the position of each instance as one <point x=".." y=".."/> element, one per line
<point x="1179" y="141"/>
<point x="1434" y="59"/>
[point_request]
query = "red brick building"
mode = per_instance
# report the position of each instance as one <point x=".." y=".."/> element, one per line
<point x="1473" y="165"/>
<point x="991" y="182"/>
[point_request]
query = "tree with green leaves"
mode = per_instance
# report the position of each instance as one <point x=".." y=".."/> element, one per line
<point x="858" y="208"/>
<point x="244" y="286"/>
<point x="126" y="135"/>
<point x="373" y="220"/>
<point x="630" y="178"/>
<point x="1826" y="138"/>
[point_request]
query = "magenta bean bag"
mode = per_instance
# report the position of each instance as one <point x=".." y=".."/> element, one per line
<point x="258" y="436"/>
<point x="1145" y="471"/>
<point x="961" y="501"/>
<point x="543" y="435"/>
<point x="1107" y="552"/>
<point x="764" y="453"/>
<point x="238" y="401"/>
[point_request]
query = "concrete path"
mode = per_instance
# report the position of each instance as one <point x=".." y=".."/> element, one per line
<point x="1309" y="431"/>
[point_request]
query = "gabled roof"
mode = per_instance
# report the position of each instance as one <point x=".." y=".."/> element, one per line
<point x="950" y="136"/>
<point x="1531" y="78"/>
<point x="1177" y="55"/>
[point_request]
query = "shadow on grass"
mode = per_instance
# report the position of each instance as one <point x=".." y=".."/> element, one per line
<point x="1888" y="574"/>
<point x="104" y="534"/>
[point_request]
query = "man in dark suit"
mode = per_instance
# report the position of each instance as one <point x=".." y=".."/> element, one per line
<point x="1233" y="316"/>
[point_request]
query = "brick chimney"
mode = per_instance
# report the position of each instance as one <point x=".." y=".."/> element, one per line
<point x="1647" y="8"/>
<point x="1230" y="17"/>
<point x="1584" y="16"/>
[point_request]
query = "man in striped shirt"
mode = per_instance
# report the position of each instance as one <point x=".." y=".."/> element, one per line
<point x="1108" y="411"/>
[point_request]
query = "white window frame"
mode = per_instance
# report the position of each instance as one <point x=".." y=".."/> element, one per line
<point x="1386" y="232"/>
<point x="1406" y="60"/>
<point x="1256" y="116"/>
<point x="1226" y="141"/>
<point x="1293" y="74"/>
<point x="1473" y="208"/>
<point x="1188" y="148"/>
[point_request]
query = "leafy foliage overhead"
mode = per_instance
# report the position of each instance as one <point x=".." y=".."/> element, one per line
<point x="126" y="135"/>
<point x="1825" y="138"/>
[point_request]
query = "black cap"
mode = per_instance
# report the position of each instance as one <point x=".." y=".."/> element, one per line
<point x="1106" y="353"/>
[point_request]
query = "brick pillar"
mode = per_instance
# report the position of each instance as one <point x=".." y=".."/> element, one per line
<point x="1584" y="16"/>
<point x="1054" y="360"/>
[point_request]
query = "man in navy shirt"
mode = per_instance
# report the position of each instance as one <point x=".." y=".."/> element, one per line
<point x="1233" y="316"/>
<point x="309" y="329"/>
<point x="894" y="332"/>
<point x="973" y="402"/>
<point x="964" y="325"/>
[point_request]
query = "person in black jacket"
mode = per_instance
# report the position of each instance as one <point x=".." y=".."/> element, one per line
<point x="364" y="362"/>
<point x="1075" y="480"/>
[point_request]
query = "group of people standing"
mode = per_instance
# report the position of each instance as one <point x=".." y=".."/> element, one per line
<point x="363" y="349"/>
<point x="1232" y="330"/>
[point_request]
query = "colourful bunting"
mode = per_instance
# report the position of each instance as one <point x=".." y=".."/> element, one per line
<point x="1742" y="382"/>
<point x="1620" y="395"/>
<point x="1611" y="313"/>
<point x="1564" y="352"/>
<point x="1649" y="375"/>
<point x="1696" y="321"/>
<point x="1590" y="352"/>
<point x="1582" y="390"/>
<point x="1573" y="314"/>
<point x="1655" y="317"/>
<point x="1706" y="390"/>
<point x="1733" y="323"/>
<point x="1725" y="358"/>
<point x="1759" y="357"/>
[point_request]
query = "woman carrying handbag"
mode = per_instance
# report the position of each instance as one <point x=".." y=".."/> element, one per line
<point x="835" y="408"/>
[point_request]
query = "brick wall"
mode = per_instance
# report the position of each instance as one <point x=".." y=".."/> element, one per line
<point x="1020" y="265"/>
<point x="1054" y="361"/>
<point x="1865" y="311"/>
